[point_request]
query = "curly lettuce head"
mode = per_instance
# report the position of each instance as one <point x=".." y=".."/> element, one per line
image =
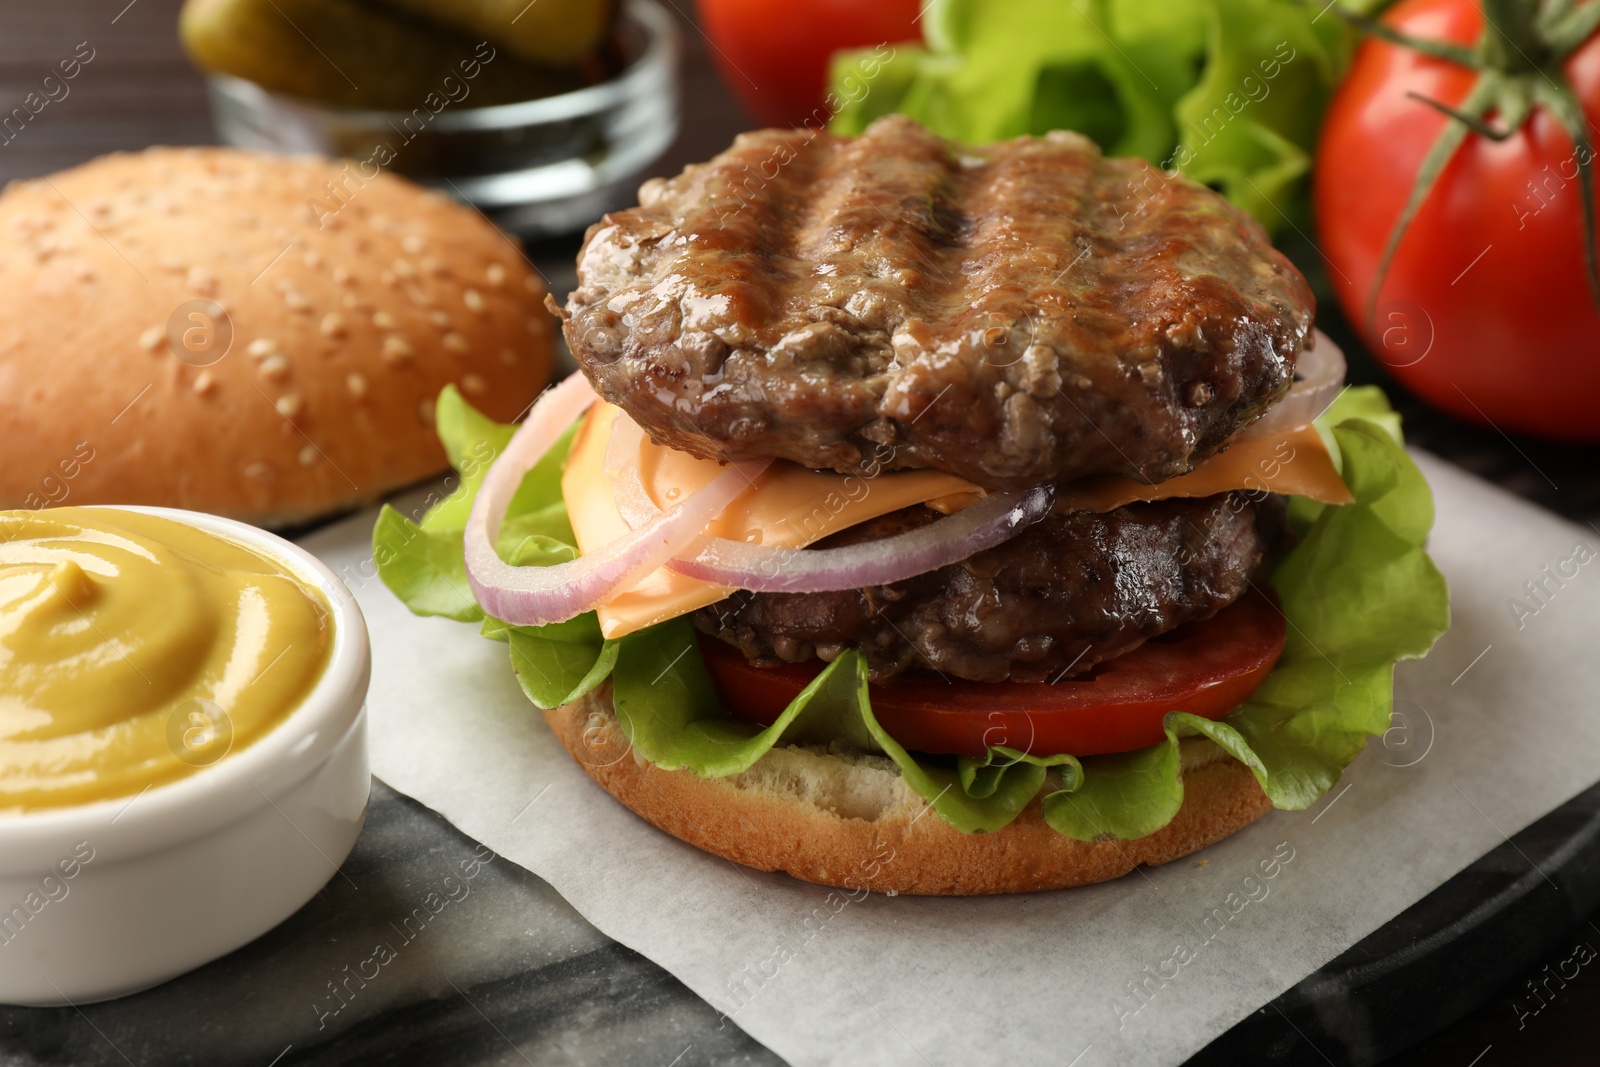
<point x="1229" y="92"/>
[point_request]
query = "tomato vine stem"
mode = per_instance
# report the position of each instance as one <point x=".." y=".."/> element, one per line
<point x="1518" y="59"/>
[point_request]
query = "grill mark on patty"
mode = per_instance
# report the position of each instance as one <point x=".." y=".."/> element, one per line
<point x="1018" y="248"/>
<point x="876" y="206"/>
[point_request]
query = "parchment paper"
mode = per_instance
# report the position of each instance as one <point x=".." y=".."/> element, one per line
<point x="1494" y="729"/>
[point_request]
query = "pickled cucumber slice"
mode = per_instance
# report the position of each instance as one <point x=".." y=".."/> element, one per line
<point x="560" y="32"/>
<point x="344" y="53"/>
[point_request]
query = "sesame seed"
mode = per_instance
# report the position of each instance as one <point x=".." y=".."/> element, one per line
<point x="496" y="274"/>
<point x="204" y="383"/>
<point x="434" y="266"/>
<point x="383" y="320"/>
<point x="308" y="456"/>
<point x="274" y="367"/>
<point x="419" y="296"/>
<point x="312" y="258"/>
<point x="412" y="244"/>
<point x="202" y="281"/>
<point x="262" y="347"/>
<point x="508" y="357"/>
<point x="402" y="268"/>
<point x="425" y="412"/>
<point x="440" y="319"/>
<point x="341" y="276"/>
<point x="295" y="300"/>
<point x="333" y="324"/>
<point x="388" y="280"/>
<point x="258" y="471"/>
<point x="83" y="272"/>
<point x="396" y="348"/>
<point x="289" y="405"/>
<point x="351" y="301"/>
<point x="151" y="339"/>
<point x="357" y="386"/>
<point x="174" y="266"/>
<point x="473" y="384"/>
<point x="474" y="300"/>
<point x="455" y="342"/>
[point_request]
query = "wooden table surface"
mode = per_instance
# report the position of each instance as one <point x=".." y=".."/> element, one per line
<point x="138" y="90"/>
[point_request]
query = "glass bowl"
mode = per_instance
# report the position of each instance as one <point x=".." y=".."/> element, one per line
<point x="538" y="168"/>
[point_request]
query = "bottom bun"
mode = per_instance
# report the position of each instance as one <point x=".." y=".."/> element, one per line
<point x="839" y="817"/>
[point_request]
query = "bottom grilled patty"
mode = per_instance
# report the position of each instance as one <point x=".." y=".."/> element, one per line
<point x="1068" y="592"/>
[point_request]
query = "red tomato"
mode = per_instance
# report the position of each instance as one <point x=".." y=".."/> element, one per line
<point x="1208" y="668"/>
<point x="775" y="55"/>
<point x="1485" y="310"/>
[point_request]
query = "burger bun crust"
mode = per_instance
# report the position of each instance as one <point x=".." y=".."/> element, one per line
<point x="847" y="819"/>
<point x="348" y="299"/>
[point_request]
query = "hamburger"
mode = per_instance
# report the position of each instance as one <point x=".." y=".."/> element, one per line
<point x="938" y="519"/>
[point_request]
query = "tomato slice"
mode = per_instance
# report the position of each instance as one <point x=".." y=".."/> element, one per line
<point x="1207" y="668"/>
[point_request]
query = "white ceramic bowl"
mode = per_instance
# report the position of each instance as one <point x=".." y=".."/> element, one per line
<point x="185" y="872"/>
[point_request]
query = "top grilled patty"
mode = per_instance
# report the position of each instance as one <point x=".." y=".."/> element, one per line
<point x="1019" y="313"/>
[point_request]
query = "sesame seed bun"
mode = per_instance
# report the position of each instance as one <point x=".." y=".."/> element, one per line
<point x="251" y="335"/>
<point x="841" y="818"/>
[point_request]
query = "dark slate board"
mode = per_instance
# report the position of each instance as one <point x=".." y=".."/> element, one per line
<point x="513" y="967"/>
<point x="509" y="967"/>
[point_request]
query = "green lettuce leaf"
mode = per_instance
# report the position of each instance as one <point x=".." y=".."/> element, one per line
<point x="1357" y="588"/>
<point x="471" y="442"/>
<point x="425" y="570"/>
<point x="1359" y="402"/>
<point x="1123" y="796"/>
<point x="1230" y="92"/>
<point x="553" y="671"/>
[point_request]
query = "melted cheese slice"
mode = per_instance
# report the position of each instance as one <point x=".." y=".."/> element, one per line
<point x="791" y="507"/>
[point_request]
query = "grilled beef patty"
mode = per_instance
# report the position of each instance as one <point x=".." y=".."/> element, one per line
<point x="1014" y="314"/>
<point x="1068" y="592"/>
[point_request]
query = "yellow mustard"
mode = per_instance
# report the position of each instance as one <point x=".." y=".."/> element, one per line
<point x="135" y="650"/>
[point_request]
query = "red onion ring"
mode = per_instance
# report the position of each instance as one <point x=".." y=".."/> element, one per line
<point x="762" y="569"/>
<point x="536" y="596"/>
<point x="1320" y="372"/>
<point x="723" y="561"/>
